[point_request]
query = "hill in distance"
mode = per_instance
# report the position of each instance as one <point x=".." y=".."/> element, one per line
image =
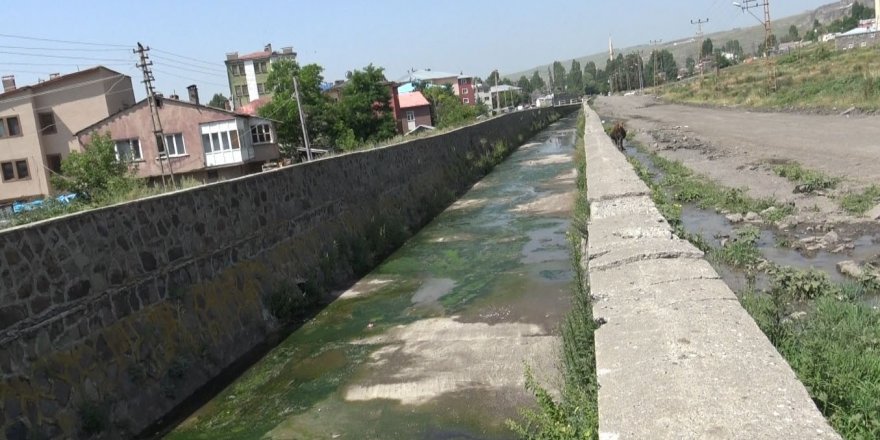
<point x="749" y="38"/>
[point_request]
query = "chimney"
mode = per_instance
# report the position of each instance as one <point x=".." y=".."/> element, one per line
<point x="268" y="48"/>
<point x="54" y="75"/>
<point x="193" y="94"/>
<point x="232" y="56"/>
<point x="174" y="96"/>
<point x="8" y="83"/>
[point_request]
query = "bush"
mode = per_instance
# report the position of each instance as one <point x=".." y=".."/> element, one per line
<point x="96" y="174"/>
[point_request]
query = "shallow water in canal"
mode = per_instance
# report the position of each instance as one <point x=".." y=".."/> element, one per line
<point x="433" y="343"/>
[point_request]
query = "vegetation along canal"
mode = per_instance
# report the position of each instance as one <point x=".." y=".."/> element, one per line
<point x="434" y="342"/>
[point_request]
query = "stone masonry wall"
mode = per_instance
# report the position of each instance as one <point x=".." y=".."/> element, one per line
<point x="677" y="356"/>
<point x="109" y="318"/>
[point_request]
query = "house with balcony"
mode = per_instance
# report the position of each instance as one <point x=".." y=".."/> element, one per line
<point x="247" y="74"/>
<point x="38" y="123"/>
<point x="201" y="142"/>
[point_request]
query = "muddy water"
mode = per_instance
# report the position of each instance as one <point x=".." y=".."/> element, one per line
<point x="712" y="227"/>
<point x="433" y="343"/>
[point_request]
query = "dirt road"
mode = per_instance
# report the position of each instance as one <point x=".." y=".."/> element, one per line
<point x="738" y="148"/>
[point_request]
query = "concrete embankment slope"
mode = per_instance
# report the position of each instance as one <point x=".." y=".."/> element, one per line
<point x="678" y="357"/>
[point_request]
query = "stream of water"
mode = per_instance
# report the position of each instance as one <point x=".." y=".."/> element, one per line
<point x="434" y="342"/>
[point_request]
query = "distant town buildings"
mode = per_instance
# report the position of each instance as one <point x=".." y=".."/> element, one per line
<point x="462" y="85"/>
<point x="38" y="123"/>
<point x="247" y="74"/>
<point x="415" y="111"/>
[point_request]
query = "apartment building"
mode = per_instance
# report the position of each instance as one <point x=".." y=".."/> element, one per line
<point x="202" y="142"/>
<point x="248" y="73"/>
<point x="38" y="123"/>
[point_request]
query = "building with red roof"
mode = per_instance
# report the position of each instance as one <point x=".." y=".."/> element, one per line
<point x="414" y="111"/>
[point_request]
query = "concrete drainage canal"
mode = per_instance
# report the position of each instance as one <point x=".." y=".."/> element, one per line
<point x="434" y="342"/>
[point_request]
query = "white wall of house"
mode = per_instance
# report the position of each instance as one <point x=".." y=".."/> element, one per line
<point x="251" y="76"/>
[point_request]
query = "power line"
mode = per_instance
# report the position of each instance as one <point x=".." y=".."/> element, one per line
<point x="210" y="63"/>
<point x="82" y="43"/>
<point x="191" y="79"/>
<point x="61" y="56"/>
<point x="68" y="49"/>
<point x="178" y="65"/>
<point x="62" y="64"/>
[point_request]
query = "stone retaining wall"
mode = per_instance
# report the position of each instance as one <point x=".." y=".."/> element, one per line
<point x="678" y="357"/>
<point x="110" y="318"/>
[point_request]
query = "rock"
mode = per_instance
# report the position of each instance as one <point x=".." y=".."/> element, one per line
<point x="874" y="214"/>
<point x="831" y="238"/>
<point x="752" y="217"/>
<point x="734" y="218"/>
<point x="814" y="247"/>
<point x="850" y="268"/>
<point x="768" y="211"/>
<point x="848" y="111"/>
<point x="839" y="249"/>
<point x="809" y="240"/>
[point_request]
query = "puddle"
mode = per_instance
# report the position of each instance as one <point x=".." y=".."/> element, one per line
<point x="712" y="227"/>
<point x="433" y="343"/>
<point x="432" y="290"/>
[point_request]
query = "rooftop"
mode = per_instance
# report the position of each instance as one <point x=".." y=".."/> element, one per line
<point x="414" y="99"/>
<point x="428" y="75"/>
<point x="59" y="79"/>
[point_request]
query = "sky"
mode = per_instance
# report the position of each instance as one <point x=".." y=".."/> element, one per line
<point x="191" y="37"/>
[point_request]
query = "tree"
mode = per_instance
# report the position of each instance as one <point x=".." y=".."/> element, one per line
<point x="283" y="107"/>
<point x="364" y="113"/>
<point x="793" y="33"/>
<point x="559" y="77"/>
<point x="537" y="83"/>
<point x="524" y="84"/>
<point x="691" y="64"/>
<point x="733" y="46"/>
<point x="96" y="174"/>
<point x="590" y="70"/>
<point x="575" y="82"/>
<point x="707" y="49"/>
<point x="493" y="78"/>
<point x="773" y="43"/>
<point x="447" y="109"/>
<point x="219" y="101"/>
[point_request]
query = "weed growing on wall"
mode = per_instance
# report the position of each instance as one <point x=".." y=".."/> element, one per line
<point x="859" y="203"/>
<point x="575" y="415"/>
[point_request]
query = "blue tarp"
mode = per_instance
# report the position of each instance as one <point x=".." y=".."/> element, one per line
<point x="36" y="204"/>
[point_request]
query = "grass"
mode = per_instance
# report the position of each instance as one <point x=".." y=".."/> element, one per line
<point x="814" y="78"/>
<point x="858" y="203"/>
<point x="835" y="351"/>
<point x="807" y="180"/>
<point x="834" y="347"/>
<point x="576" y="414"/>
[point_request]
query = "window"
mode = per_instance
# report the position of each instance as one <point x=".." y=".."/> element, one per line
<point x="466" y="101"/>
<point x="261" y="89"/>
<point x="237" y="69"/>
<point x="410" y="115"/>
<point x="864" y="44"/>
<point x="47" y="123"/>
<point x="241" y="90"/>
<point x="261" y="67"/>
<point x="129" y="150"/>
<point x="174" y="145"/>
<point x="464" y="91"/>
<point x="261" y="134"/>
<point x="221" y="141"/>
<point x="53" y="162"/>
<point x="10" y="127"/>
<point x="15" y="170"/>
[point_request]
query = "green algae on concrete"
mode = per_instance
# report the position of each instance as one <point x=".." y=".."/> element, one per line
<point x="488" y="275"/>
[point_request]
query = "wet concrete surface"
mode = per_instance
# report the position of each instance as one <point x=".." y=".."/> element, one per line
<point x="432" y="344"/>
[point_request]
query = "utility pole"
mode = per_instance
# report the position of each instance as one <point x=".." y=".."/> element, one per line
<point x="700" y="24"/>
<point x="747" y="6"/>
<point x="655" y="55"/>
<point x="155" y="103"/>
<point x="302" y="120"/>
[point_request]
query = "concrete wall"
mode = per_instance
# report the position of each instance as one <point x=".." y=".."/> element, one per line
<point x="116" y="315"/>
<point x="678" y="357"/>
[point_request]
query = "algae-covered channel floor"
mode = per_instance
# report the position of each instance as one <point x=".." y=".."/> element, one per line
<point x="432" y="344"/>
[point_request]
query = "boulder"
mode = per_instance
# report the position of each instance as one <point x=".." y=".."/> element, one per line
<point x="831" y="238"/>
<point x="850" y="268"/>
<point x="752" y="217"/>
<point x="734" y="218"/>
<point x="874" y="213"/>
